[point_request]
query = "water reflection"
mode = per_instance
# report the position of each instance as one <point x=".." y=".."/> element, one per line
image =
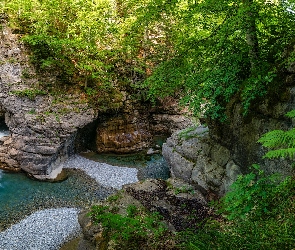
<point x="1" y="186"/>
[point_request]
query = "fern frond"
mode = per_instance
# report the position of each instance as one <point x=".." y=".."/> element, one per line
<point x="291" y="114"/>
<point x="290" y="138"/>
<point x="280" y="153"/>
<point x="278" y="138"/>
<point x="282" y="142"/>
<point x="275" y="138"/>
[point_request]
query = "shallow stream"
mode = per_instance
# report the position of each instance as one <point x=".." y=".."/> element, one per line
<point x="20" y="196"/>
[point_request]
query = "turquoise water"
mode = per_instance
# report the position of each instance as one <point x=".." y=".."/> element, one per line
<point x="3" y="129"/>
<point x="20" y="195"/>
<point x="149" y="166"/>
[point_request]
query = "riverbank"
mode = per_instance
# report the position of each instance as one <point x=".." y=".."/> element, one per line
<point x="106" y="175"/>
<point x="47" y="230"/>
<point x="21" y="196"/>
<point x="52" y="220"/>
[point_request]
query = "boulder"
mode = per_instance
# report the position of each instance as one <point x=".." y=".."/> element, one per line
<point x="181" y="205"/>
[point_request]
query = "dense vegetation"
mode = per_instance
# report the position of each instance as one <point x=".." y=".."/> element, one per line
<point x="206" y="53"/>
<point x="259" y="213"/>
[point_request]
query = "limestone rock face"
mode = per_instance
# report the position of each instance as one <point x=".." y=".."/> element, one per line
<point x="240" y="135"/>
<point x="213" y="159"/>
<point x="42" y="130"/>
<point x="193" y="157"/>
<point x="133" y="128"/>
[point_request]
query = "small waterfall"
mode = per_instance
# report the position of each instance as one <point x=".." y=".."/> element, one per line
<point x="4" y="131"/>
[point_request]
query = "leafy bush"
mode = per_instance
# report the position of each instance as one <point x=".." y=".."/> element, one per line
<point x="261" y="213"/>
<point x="132" y="231"/>
<point x="253" y="195"/>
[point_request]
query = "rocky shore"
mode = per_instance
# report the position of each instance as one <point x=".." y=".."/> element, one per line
<point x="105" y="174"/>
<point x="56" y="221"/>
<point x="47" y="230"/>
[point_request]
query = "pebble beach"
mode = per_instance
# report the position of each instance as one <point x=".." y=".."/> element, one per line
<point x="50" y="227"/>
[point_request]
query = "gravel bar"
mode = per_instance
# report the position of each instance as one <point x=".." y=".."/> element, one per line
<point x="48" y="229"/>
<point x="44" y="230"/>
<point x="105" y="174"/>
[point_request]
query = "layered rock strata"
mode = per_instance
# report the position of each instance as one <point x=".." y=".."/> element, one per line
<point x="213" y="158"/>
<point x="133" y="128"/>
<point x="42" y="128"/>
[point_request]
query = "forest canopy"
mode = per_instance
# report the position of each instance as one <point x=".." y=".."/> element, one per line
<point x="205" y="52"/>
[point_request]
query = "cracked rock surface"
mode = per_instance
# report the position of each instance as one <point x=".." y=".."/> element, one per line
<point x="42" y="128"/>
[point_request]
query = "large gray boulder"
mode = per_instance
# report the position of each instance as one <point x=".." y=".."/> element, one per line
<point x="193" y="157"/>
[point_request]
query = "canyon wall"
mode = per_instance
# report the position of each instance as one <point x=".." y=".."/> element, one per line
<point x="213" y="157"/>
<point x="45" y="128"/>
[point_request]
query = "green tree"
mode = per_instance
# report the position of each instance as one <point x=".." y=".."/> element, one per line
<point x="206" y="52"/>
<point x="222" y="49"/>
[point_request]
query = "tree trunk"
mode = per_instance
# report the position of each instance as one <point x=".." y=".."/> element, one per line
<point x="251" y="33"/>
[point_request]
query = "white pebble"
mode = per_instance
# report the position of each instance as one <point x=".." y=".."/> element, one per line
<point x="44" y="230"/>
<point x="105" y="174"/>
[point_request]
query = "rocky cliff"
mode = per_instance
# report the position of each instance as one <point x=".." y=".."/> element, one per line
<point x="45" y="128"/>
<point x="42" y="128"/>
<point x="133" y="128"/>
<point x="213" y="158"/>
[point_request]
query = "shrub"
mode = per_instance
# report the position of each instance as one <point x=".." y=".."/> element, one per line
<point x="132" y="231"/>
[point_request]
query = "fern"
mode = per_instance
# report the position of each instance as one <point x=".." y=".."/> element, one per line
<point x="281" y="142"/>
<point x="278" y="138"/>
<point x="291" y="114"/>
<point x="278" y="153"/>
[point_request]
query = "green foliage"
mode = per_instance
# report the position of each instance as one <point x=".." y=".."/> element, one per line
<point x="204" y="52"/>
<point x="114" y="197"/>
<point x="212" y="59"/>
<point x="252" y="195"/>
<point x="96" y="46"/>
<point x="262" y="213"/>
<point x="131" y="230"/>
<point x="281" y="142"/>
<point x="30" y="93"/>
<point x="187" y="133"/>
<point x="184" y="189"/>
